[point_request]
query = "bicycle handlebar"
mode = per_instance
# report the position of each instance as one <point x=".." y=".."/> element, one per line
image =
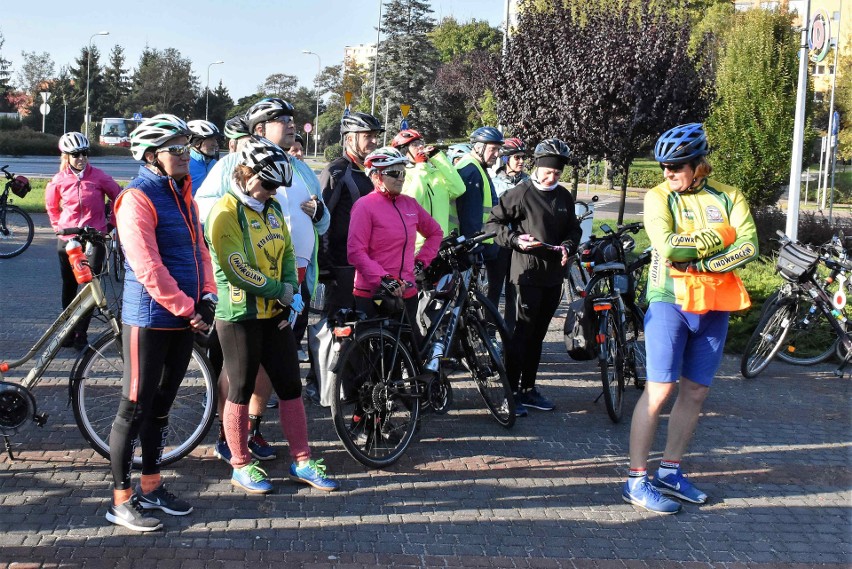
<point x="9" y="175"/>
<point x="86" y="233"/>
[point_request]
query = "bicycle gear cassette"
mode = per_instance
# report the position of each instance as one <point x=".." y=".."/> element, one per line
<point x="17" y="407"/>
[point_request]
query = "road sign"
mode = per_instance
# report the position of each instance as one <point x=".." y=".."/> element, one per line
<point x="819" y="35"/>
<point x="308" y="127"/>
<point x="137" y="116"/>
<point x="44" y="108"/>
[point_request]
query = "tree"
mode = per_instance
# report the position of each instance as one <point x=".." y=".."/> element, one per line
<point x="220" y="105"/>
<point x="470" y="77"/>
<point x="279" y="85"/>
<point x="607" y="77"/>
<point x="843" y="102"/>
<point x="452" y="39"/>
<point x="116" y="84"/>
<point x="78" y="79"/>
<point x="5" y="79"/>
<point x="35" y="70"/>
<point x="408" y="64"/>
<point x="750" y="127"/>
<point x="163" y="83"/>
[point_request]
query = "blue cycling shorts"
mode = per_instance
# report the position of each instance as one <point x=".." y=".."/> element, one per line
<point x="683" y="344"/>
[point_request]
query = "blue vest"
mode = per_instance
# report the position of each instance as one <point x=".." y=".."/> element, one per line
<point x="180" y="253"/>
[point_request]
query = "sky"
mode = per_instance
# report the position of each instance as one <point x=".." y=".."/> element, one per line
<point x="212" y="30"/>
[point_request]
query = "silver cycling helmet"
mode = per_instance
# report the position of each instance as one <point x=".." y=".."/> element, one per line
<point x="73" y="142"/>
<point x="155" y="132"/>
<point x="267" y="160"/>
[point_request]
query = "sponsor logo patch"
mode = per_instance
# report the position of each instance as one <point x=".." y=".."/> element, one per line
<point x="273" y="221"/>
<point x="255" y="224"/>
<point x="714" y="214"/>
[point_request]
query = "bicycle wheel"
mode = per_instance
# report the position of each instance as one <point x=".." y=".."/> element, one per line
<point x="768" y="337"/>
<point x="811" y="338"/>
<point x="486" y="368"/>
<point x="377" y="398"/>
<point x="16" y="231"/>
<point x="96" y="392"/>
<point x="634" y="342"/>
<point x="612" y="366"/>
<point x="495" y="326"/>
<point x="117" y="260"/>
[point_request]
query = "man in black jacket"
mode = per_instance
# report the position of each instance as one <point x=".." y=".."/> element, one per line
<point x="536" y="220"/>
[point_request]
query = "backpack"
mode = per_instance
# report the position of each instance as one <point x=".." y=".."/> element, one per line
<point x="580" y="325"/>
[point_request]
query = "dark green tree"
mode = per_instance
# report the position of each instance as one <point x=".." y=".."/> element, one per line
<point x="78" y="79"/>
<point x="5" y="79"/>
<point x="750" y="127"/>
<point x="116" y="87"/>
<point x="163" y="83"/>
<point x="220" y="107"/>
<point x="453" y="39"/>
<point x="279" y="85"/>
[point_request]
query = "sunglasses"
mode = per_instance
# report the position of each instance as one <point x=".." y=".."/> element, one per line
<point x="672" y="167"/>
<point x="396" y="174"/>
<point x="286" y="119"/>
<point x="176" y="150"/>
<point x="269" y="186"/>
<point x="79" y="153"/>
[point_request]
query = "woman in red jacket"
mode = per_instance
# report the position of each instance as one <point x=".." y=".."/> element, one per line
<point x="383" y="232"/>
<point x="77" y="197"/>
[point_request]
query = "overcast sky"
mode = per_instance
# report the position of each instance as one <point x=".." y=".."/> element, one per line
<point x="254" y="38"/>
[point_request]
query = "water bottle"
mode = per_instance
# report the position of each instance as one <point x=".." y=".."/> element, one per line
<point x="79" y="262"/>
<point x="435" y="356"/>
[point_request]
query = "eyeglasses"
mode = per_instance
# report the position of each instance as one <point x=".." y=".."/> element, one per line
<point x="79" y="153"/>
<point x="176" y="150"/>
<point x="286" y="119"/>
<point x="672" y="167"/>
<point x="269" y="186"/>
<point x="396" y="174"/>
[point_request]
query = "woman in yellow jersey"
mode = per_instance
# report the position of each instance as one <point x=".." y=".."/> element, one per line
<point x="255" y="267"/>
<point x="701" y="231"/>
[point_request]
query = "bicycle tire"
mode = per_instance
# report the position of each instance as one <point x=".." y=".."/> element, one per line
<point x="377" y="398"/>
<point x="96" y="392"/>
<point x="494" y="324"/>
<point x="811" y="343"/>
<point x="611" y="361"/>
<point x="767" y="338"/>
<point x="634" y="341"/>
<point x="117" y="260"/>
<point x="16" y="231"/>
<point x="488" y="371"/>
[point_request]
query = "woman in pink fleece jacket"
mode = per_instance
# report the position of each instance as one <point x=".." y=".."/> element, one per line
<point x="383" y="232"/>
<point x="77" y="197"/>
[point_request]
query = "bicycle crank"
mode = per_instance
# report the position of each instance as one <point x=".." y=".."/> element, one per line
<point x="439" y="394"/>
<point x="17" y="407"/>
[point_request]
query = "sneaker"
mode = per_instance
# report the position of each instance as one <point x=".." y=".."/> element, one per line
<point x="162" y="499"/>
<point x="260" y="449"/>
<point x="532" y="398"/>
<point x="639" y="492"/>
<point x="132" y="516"/>
<point x="272" y="403"/>
<point x="222" y="450"/>
<point x="313" y="473"/>
<point x="252" y="478"/>
<point x="303" y="357"/>
<point x="520" y="410"/>
<point x="678" y="486"/>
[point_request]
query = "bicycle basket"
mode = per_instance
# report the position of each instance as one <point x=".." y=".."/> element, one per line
<point x="20" y="186"/>
<point x="796" y="262"/>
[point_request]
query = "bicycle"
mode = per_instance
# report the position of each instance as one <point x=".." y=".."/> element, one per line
<point x="577" y="278"/>
<point x="797" y="316"/>
<point x="94" y="384"/>
<point x="620" y="322"/>
<point x="16" y="226"/>
<point x="384" y="381"/>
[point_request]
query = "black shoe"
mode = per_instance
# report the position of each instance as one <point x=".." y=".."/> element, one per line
<point x="162" y="499"/>
<point x="133" y="516"/>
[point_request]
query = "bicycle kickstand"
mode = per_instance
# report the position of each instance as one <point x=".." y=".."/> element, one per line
<point x="8" y="443"/>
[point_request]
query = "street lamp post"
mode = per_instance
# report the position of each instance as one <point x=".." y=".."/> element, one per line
<point x="376" y="61"/>
<point x="207" y="101"/>
<point x="316" y="85"/>
<point x="88" y="80"/>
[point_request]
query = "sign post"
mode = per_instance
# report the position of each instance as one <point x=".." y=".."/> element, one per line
<point x="795" y="188"/>
<point x="44" y="108"/>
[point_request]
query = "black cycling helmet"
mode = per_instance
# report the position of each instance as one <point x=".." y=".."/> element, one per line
<point x="360" y="122"/>
<point x="681" y="144"/>
<point x="300" y="140"/>
<point x="236" y="127"/>
<point x="267" y="110"/>
<point x="551" y="153"/>
<point x="486" y="134"/>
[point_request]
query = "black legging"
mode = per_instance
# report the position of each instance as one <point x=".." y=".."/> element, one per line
<point x="155" y="362"/>
<point x="69" y="282"/>
<point x="248" y="344"/>
<point x="536" y="307"/>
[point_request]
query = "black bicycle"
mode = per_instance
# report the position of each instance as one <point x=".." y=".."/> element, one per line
<point x="16" y="226"/>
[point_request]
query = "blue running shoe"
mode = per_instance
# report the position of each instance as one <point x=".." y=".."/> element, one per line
<point x="222" y="450"/>
<point x="313" y="473"/>
<point x="260" y="449"/>
<point x="678" y="486"/>
<point x="252" y="478"/>
<point x="639" y="492"/>
<point x="532" y="398"/>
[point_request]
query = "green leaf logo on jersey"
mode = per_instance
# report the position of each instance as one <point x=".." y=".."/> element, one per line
<point x="255" y="224"/>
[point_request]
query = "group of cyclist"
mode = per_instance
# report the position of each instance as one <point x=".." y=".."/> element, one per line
<point x="235" y="247"/>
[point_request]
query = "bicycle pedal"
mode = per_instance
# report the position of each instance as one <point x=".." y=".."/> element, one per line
<point x="40" y="419"/>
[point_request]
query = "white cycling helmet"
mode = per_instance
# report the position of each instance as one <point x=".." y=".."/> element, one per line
<point x="155" y="132"/>
<point x="382" y="158"/>
<point x="202" y="129"/>
<point x="267" y="160"/>
<point x="73" y="142"/>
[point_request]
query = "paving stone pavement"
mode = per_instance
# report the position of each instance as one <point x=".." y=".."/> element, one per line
<point x="773" y="453"/>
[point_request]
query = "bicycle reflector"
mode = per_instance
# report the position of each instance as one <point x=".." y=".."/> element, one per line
<point x="342" y="331"/>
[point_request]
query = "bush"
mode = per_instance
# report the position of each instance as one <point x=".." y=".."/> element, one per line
<point x="813" y="227"/>
<point x="10" y="124"/>
<point x="332" y="152"/>
<point x="26" y="142"/>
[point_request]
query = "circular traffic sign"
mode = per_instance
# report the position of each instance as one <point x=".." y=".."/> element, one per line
<point x="308" y="127"/>
<point x="44" y="108"/>
<point x="819" y="35"/>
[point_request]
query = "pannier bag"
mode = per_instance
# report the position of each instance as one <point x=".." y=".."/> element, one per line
<point x="580" y="326"/>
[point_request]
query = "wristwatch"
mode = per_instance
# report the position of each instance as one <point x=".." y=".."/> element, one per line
<point x="211" y="297"/>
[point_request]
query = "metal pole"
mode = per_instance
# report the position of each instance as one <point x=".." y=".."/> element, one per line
<point x="588" y="172"/>
<point x="376" y="62"/>
<point x="207" y="101"/>
<point x="387" y="111"/>
<point x="798" y="133"/>
<point x="88" y="80"/>
<point x="316" y="118"/>
<point x="832" y="147"/>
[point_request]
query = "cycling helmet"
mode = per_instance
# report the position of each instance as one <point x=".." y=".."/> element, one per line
<point x="513" y="146"/>
<point x="73" y="142"/>
<point x="300" y="140"/>
<point x="155" y="132"/>
<point x="405" y="137"/>
<point x="360" y="122"/>
<point x="551" y="153"/>
<point x="456" y="151"/>
<point x="202" y="129"/>
<point x="681" y="144"/>
<point x="266" y="110"/>
<point x="236" y="128"/>
<point x="267" y="160"/>
<point x="486" y="134"/>
<point x="383" y="157"/>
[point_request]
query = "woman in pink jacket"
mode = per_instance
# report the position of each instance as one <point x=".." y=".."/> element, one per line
<point x="382" y="234"/>
<point x="77" y="197"/>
